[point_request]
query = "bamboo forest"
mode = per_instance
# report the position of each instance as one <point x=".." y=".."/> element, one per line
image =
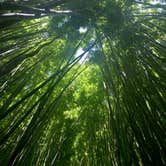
<point x="82" y="82"/>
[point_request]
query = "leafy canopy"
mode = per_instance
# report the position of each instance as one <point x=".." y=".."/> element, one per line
<point x="82" y="82"/>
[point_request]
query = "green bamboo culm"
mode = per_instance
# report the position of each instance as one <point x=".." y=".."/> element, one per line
<point x="82" y="83"/>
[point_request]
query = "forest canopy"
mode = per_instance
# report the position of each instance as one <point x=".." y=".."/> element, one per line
<point x="82" y="82"/>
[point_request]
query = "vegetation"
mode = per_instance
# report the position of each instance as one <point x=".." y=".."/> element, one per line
<point x="82" y="83"/>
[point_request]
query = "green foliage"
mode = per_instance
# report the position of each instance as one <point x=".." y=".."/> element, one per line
<point x="105" y="106"/>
